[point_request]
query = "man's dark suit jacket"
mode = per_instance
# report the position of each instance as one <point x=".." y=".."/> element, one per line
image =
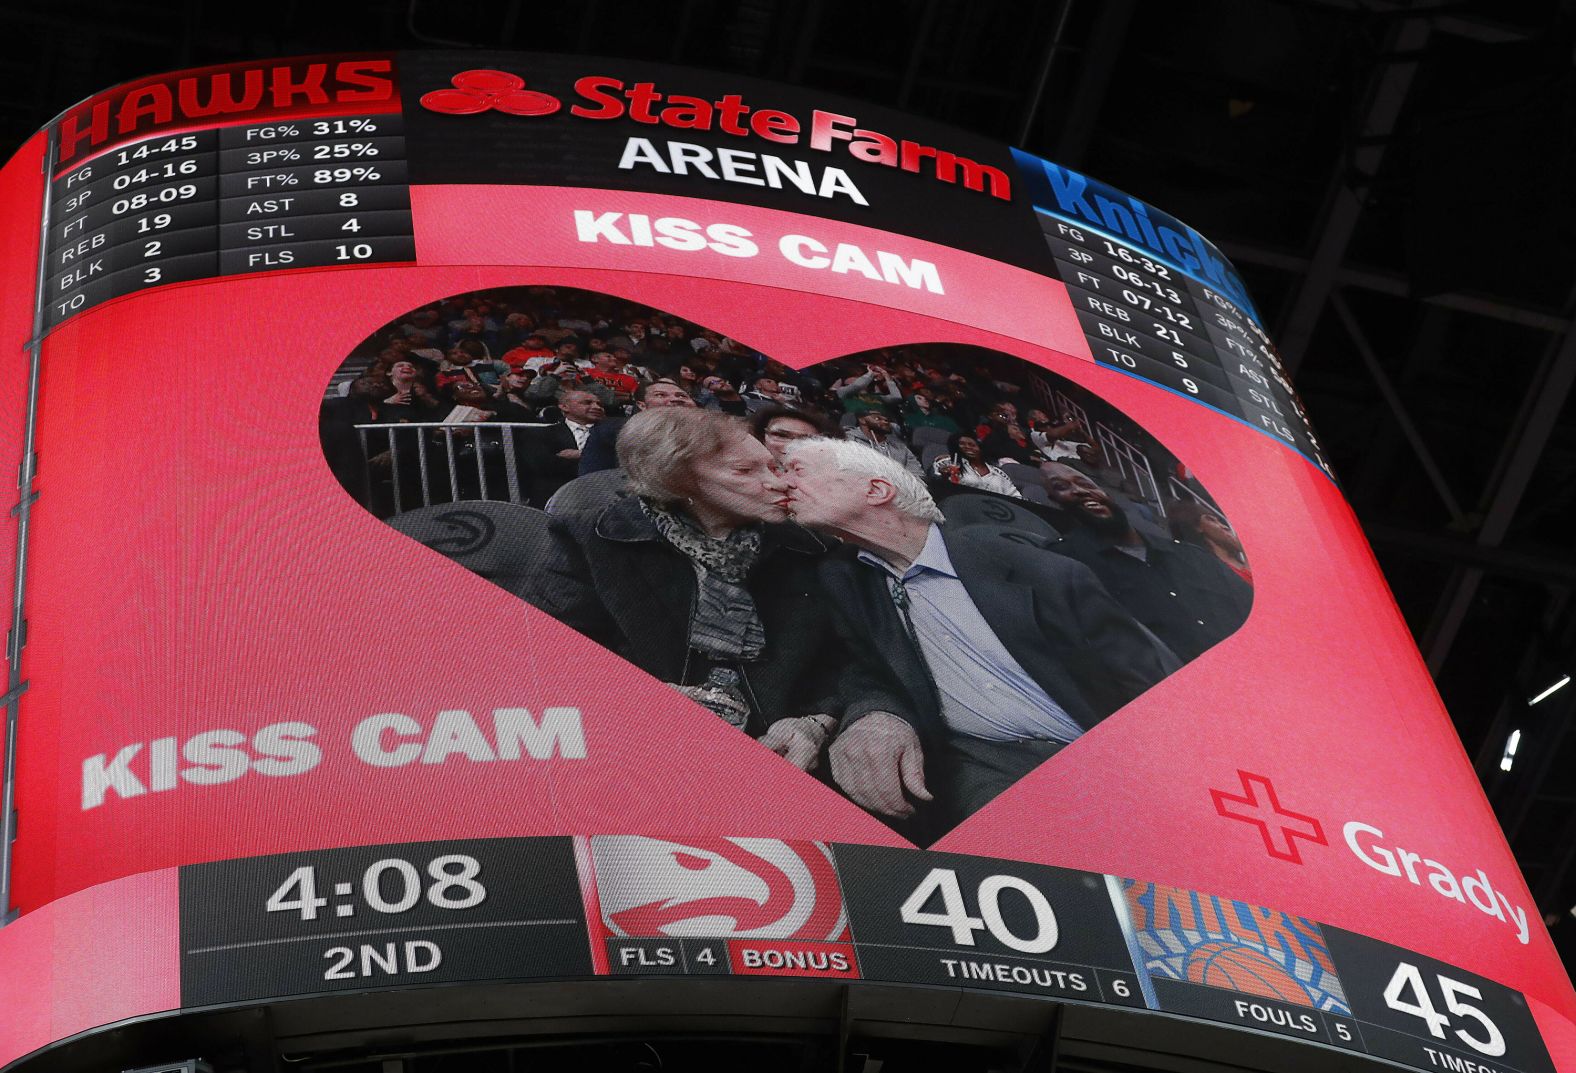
<point x="601" y="449"/>
<point x="1050" y="612"/>
<point x="547" y="471"/>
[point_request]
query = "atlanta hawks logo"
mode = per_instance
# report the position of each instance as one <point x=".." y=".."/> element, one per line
<point x="484" y="90"/>
<point x="746" y="888"/>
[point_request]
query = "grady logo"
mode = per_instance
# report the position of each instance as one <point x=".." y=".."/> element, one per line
<point x="747" y="888"/>
<point x="1279" y="826"/>
<point x="483" y="90"/>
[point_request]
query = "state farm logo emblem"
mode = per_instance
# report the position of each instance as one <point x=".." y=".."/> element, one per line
<point x="742" y="888"/>
<point x="484" y="90"/>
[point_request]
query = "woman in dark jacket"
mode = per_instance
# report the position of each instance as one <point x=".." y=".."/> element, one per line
<point x="700" y="580"/>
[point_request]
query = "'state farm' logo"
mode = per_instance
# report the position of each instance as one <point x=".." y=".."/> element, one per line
<point x="484" y="90"/>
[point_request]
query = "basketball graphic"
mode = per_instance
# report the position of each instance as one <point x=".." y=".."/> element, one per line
<point x="1197" y="938"/>
<point x="1240" y="968"/>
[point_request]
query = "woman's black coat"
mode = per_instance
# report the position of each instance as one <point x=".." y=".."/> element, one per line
<point x="612" y="577"/>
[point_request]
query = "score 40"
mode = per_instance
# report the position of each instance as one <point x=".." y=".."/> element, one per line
<point x="954" y="914"/>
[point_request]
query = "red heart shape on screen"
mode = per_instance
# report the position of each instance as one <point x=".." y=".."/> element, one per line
<point x="918" y="573"/>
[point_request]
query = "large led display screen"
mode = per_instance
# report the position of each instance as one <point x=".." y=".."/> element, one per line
<point x="506" y="517"/>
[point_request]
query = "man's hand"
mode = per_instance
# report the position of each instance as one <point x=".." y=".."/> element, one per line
<point x="875" y="760"/>
<point x="569" y="453"/>
<point x="798" y="739"/>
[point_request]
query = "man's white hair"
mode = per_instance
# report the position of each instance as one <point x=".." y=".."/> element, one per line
<point x="851" y="456"/>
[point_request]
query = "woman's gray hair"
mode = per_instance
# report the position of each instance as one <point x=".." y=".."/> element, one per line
<point x="664" y="450"/>
<point x="850" y="456"/>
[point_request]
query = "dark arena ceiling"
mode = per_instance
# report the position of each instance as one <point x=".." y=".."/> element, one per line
<point x="1392" y="179"/>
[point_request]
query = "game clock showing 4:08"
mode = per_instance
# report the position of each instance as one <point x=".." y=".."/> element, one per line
<point x="379" y="916"/>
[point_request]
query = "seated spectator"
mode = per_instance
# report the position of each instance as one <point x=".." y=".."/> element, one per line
<point x="625" y="359"/>
<point x="1056" y="440"/>
<point x="1192" y="522"/>
<point x="515" y="387"/>
<point x="868" y="387"/>
<point x="965" y="464"/>
<point x="559" y="376"/>
<point x="472" y="405"/>
<point x="471" y="326"/>
<point x="924" y="411"/>
<point x="424" y="328"/>
<point x="516" y="327"/>
<point x="765" y="392"/>
<point x="1091" y="460"/>
<point x="874" y="430"/>
<point x="568" y="351"/>
<point x="607" y="370"/>
<point x="426" y="359"/>
<point x="601" y="449"/>
<point x="780" y="426"/>
<point x="553" y="454"/>
<point x="468" y="361"/>
<point x="691" y="377"/>
<point x="532" y="353"/>
<point x="1006" y="441"/>
<point x="408" y="396"/>
<point x="1181" y="592"/>
<point x="724" y="396"/>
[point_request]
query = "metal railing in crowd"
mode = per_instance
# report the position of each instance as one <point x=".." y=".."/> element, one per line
<point x="1064" y="407"/>
<point x="450" y="454"/>
<point x="1118" y="452"/>
<point x="1180" y="490"/>
<point x="1131" y="463"/>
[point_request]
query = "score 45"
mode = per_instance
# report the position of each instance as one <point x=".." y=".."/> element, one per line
<point x="1408" y="978"/>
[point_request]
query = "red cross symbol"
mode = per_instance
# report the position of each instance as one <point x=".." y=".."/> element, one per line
<point x="1259" y="806"/>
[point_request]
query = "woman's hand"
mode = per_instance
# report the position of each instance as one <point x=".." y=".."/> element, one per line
<point x="799" y="739"/>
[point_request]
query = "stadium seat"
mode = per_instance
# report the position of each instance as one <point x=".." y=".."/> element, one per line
<point x="970" y="509"/>
<point x="502" y="542"/>
<point x="1024" y="476"/>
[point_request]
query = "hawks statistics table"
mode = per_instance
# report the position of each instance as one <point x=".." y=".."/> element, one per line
<point x="627" y="905"/>
<point x="307" y="193"/>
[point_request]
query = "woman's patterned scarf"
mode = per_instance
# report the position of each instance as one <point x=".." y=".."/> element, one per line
<point x="725" y="625"/>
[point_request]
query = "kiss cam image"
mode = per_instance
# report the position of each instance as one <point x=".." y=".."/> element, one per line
<point x="916" y="574"/>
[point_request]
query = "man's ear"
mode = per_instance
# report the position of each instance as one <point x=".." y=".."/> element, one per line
<point x="878" y="491"/>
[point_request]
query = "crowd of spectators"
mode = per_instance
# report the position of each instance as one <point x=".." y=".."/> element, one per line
<point x="526" y="394"/>
<point x="571" y="365"/>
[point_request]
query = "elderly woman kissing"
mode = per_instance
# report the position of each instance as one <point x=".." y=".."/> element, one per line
<point x="700" y="580"/>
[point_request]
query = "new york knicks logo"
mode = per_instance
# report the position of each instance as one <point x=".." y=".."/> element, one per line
<point x="1206" y="939"/>
<point x="745" y="888"/>
<point x="485" y="90"/>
